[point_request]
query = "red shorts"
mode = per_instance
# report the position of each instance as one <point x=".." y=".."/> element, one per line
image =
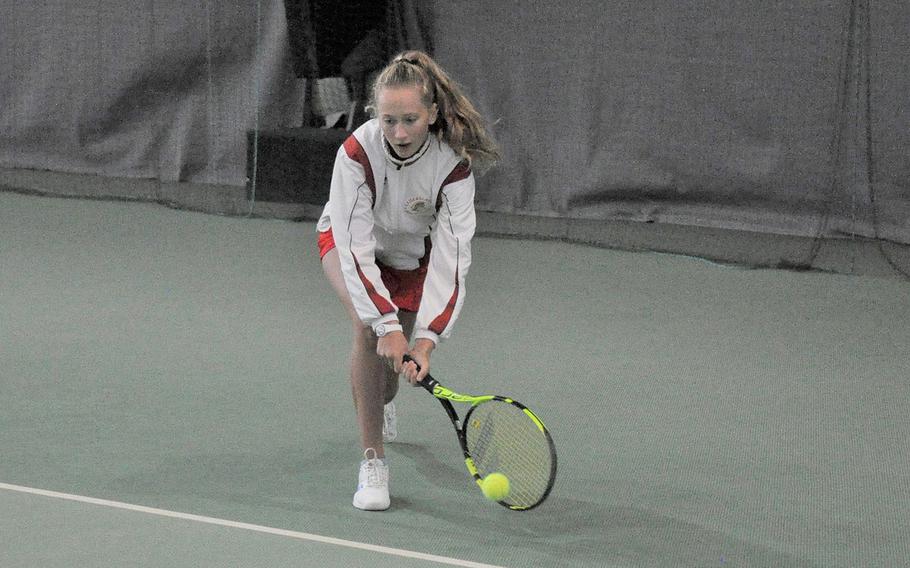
<point x="405" y="286"/>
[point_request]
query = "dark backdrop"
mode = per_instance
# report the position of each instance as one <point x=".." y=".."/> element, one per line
<point x="782" y="117"/>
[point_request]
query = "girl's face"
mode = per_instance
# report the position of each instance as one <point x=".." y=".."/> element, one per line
<point x="404" y="118"/>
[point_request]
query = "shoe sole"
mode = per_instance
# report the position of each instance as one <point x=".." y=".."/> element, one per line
<point x="373" y="508"/>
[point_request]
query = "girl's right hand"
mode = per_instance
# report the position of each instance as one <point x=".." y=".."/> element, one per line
<point x="392" y="348"/>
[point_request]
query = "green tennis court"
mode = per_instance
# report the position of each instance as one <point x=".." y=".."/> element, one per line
<point x="174" y="393"/>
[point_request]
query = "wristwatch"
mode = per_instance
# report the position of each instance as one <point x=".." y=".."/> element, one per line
<point x="384" y="329"/>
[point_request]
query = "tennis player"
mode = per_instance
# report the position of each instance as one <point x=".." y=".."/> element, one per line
<point x="395" y="239"/>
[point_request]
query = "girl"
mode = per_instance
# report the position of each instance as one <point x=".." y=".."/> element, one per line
<point x="395" y="238"/>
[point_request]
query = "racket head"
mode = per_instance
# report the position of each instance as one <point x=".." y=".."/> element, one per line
<point x="502" y="435"/>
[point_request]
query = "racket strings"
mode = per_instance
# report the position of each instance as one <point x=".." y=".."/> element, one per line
<point x="502" y="438"/>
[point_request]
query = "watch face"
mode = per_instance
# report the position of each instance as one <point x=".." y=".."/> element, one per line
<point x="380" y="330"/>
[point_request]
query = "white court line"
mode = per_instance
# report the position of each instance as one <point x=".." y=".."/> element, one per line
<point x="245" y="526"/>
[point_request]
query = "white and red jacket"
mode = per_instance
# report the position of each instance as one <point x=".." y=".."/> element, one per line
<point x="398" y="212"/>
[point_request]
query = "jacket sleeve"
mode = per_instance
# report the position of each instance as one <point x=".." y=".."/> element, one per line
<point x="450" y="257"/>
<point x="351" y="197"/>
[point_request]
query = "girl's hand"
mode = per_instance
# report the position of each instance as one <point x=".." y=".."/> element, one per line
<point x="392" y="348"/>
<point x="421" y="356"/>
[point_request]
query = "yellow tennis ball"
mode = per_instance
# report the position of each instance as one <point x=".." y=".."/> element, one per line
<point x="495" y="486"/>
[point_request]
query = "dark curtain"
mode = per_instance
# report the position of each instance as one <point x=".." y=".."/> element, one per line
<point x="784" y="117"/>
<point x="165" y="91"/>
<point x="353" y="39"/>
<point x="409" y="25"/>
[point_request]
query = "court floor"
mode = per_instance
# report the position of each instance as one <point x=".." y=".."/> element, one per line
<point x="173" y="393"/>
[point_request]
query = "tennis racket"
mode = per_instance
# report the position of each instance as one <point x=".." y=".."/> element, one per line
<point x="501" y="435"/>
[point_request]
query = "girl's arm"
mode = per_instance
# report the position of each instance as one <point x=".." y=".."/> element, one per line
<point x="351" y="197"/>
<point x="450" y="257"/>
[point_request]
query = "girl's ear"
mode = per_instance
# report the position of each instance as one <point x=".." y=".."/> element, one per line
<point x="434" y="112"/>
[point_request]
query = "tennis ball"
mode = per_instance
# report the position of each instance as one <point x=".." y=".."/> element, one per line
<point x="495" y="486"/>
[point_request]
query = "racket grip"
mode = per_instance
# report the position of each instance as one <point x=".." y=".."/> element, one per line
<point x="427" y="382"/>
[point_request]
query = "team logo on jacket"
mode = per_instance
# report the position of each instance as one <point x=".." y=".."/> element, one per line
<point x="416" y="205"/>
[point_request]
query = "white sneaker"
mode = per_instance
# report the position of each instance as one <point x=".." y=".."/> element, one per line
<point x="373" y="483"/>
<point x="389" y="423"/>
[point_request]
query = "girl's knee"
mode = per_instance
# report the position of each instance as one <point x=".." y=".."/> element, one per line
<point x="363" y="335"/>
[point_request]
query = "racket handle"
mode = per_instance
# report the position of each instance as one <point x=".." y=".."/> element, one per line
<point x="427" y="382"/>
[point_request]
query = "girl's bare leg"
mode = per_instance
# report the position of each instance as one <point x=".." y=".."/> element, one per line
<point x="373" y="383"/>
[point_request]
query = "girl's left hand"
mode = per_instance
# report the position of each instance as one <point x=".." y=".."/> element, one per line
<point x="421" y="356"/>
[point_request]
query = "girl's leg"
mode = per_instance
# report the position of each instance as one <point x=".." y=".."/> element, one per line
<point x="372" y="382"/>
<point x="407" y="320"/>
